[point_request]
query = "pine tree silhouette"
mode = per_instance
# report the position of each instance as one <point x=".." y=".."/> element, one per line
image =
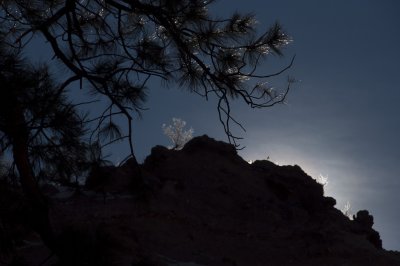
<point x="41" y="130"/>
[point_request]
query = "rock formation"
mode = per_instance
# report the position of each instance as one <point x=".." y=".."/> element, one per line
<point x="205" y="205"/>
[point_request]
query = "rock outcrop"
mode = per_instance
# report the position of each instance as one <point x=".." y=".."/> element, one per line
<point x="205" y="205"/>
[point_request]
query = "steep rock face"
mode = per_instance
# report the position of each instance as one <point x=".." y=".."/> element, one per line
<point x="205" y="205"/>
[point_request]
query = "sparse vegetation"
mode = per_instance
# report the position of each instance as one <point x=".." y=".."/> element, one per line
<point x="177" y="133"/>
<point x="323" y="180"/>
<point x="347" y="210"/>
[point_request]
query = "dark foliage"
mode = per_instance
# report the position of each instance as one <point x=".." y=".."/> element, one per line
<point x="40" y="133"/>
<point x="116" y="46"/>
<point x="55" y="129"/>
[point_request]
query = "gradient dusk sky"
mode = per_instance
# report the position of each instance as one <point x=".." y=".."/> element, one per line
<point x="342" y="118"/>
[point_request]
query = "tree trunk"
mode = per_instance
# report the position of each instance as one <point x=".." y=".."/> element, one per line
<point x="38" y="214"/>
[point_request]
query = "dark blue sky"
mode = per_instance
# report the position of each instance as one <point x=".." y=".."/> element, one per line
<point x="342" y="117"/>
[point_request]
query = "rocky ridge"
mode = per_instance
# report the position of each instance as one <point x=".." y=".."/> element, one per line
<point x="205" y="205"/>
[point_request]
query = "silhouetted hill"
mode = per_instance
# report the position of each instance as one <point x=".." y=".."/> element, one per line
<point x="205" y="205"/>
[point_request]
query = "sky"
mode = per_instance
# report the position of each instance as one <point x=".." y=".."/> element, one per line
<point x="341" y="119"/>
